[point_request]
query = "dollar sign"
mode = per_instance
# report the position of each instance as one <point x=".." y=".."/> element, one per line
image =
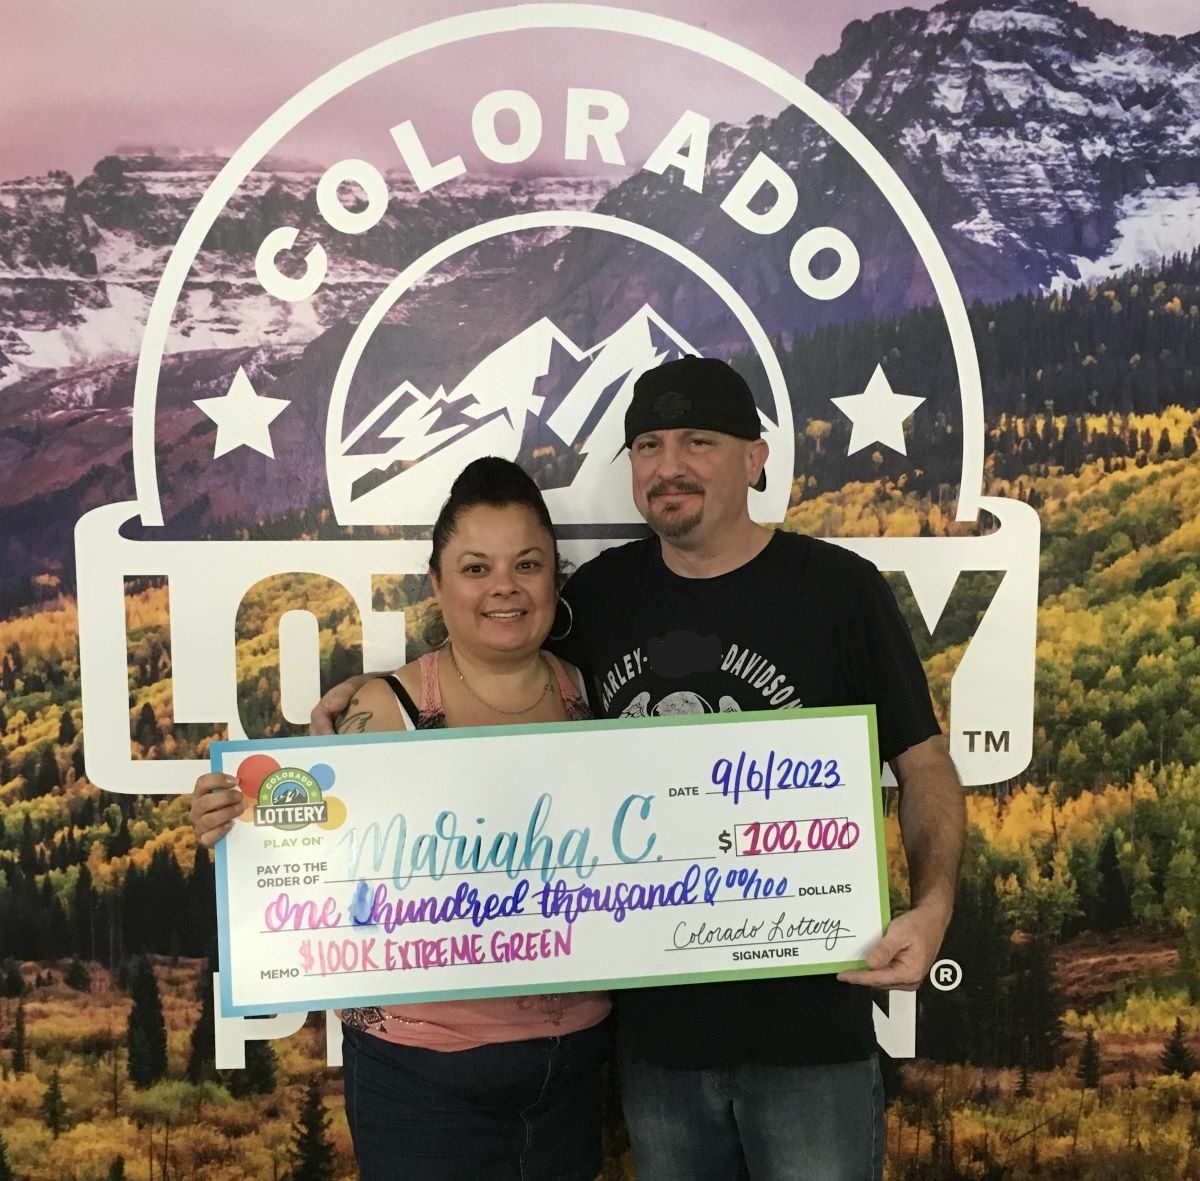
<point x="724" y="841"/>
<point x="306" y="956"/>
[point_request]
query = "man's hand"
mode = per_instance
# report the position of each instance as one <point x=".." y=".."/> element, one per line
<point x="903" y="957"/>
<point x="932" y="828"/>
<point x="217" y="802"/>
<point x="325" y="713"/>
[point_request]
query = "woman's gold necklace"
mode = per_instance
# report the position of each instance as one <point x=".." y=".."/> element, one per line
<point x="511" y="713"/>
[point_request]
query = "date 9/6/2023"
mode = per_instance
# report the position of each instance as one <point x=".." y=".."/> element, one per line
<point x="743" y="773"/>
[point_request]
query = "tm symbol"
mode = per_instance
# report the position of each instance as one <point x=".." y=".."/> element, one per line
<point x="994" y="741"/>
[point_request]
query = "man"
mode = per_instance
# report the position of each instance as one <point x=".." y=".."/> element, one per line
<point x="769" y="1078"/>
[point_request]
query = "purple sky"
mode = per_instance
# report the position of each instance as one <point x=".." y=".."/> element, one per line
<point x="81" y="78"/>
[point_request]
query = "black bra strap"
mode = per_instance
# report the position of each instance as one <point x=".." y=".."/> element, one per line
<point x="404" y="697"/>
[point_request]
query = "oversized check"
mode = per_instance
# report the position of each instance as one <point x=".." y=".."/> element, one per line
<point x="436" y="864"/>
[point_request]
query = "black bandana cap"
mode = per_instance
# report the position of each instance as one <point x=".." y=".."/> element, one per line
<point x="700" y="393"/>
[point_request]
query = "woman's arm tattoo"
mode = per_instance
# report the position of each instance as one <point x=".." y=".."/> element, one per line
<point x="355" y="720"/>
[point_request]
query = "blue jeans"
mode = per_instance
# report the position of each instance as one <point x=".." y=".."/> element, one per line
<point x="514" y="1111"/>
<point x="764" y="1123"/>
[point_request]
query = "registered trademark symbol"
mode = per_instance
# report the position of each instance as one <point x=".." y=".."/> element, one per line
<point x="945" y="975"/>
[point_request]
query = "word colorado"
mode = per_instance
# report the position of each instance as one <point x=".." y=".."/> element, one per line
<point x="507" y="128"/>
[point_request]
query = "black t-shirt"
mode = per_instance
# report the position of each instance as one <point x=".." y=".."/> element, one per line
<point x="805" y="623"/>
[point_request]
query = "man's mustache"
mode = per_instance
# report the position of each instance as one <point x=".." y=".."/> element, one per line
<point x="666" y="489"/>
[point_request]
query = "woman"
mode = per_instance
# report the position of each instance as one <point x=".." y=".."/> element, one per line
<point x="504" y="1087"/>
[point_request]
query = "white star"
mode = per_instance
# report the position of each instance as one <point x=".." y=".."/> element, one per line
<point x="878" y="414"/>
<point x="243" y="418"/>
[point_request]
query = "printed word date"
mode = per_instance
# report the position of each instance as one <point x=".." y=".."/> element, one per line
<point x="791" y="836"/>
<point x="778" y="773"/>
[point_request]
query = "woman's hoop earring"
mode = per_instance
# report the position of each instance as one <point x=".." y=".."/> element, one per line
<point x="434" y="632"/>
<point x="570" y="620"/>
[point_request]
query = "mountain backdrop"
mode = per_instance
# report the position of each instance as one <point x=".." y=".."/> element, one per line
<point x="1045" y="145"/>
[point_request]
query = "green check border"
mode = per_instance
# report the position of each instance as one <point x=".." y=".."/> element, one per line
<point x="219" y="750"/>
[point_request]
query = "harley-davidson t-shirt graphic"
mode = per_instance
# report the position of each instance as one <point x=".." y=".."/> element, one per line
<point x="804" y="623"/>
<point x="685" y="654"/>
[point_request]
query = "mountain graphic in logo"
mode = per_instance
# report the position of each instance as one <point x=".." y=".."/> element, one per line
<point x="539" y="392"/>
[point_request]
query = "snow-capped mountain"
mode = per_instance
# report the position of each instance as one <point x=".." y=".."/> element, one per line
<point x="1045" y="143"/>
<point x="80" y="263"/>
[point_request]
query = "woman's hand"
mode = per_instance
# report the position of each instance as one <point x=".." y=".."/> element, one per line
<point x="217" y="802"/>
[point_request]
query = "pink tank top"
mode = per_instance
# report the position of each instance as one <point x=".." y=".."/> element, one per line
<point x="463" y="1025"/>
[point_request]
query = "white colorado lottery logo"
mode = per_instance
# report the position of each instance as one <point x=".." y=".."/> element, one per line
<point x="512" y="319"/>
